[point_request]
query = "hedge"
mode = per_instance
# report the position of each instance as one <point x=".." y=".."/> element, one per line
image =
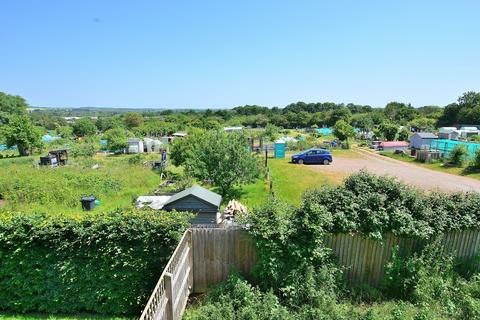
<point x="101" y="263"/>
<point x="374" y="205"/>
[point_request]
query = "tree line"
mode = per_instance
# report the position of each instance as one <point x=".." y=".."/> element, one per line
<point x="23" y="127"/>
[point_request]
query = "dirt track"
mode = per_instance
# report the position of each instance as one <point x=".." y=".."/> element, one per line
<point x="409" y="173"/>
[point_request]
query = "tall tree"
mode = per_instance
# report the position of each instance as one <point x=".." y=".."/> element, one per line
<point x="84" y="127"/>
<point x="133" y="120"/>
<point x="223" y="158"/>
<point x="343" y="131"/>
<point x="19" y="131"/>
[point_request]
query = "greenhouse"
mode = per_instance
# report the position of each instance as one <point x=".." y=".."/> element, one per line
<point x="445" y="146"/>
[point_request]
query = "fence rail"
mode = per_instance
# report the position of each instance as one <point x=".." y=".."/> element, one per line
<point x="206" y="256"/>
<point x="170" y="296"/>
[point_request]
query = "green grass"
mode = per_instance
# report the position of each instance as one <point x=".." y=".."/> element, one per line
<point x="437" y="166"/>
<point x="116" y="183"/>
<point x="290" y="181"/>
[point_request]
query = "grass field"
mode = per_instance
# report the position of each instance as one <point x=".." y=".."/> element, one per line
<point x="438" y="166"/>
<point x="26" y="187"/>
<point x="290" y="181"/>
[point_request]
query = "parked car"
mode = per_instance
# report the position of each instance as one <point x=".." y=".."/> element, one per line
<point x="311" y="156"/>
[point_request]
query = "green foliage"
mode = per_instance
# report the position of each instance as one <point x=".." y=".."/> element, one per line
<point x="236" y="299"/>
<point x="133" y="120"/>
<point x="403" y="135"/>
<point x="107" y="123"/>
<point x="117" y="138"/>
<point x="475" y="164"/>
<point x="271" y="132"/>
<point x="343" y="131"/>
<point x="18" y="130"/>
<point x="458" y="155"/>
<point x="103" y="263"/>
<point x="388" y="131"/>
<point x="116" y="183"/>
<point x="84" y="127"/>
<point x="64" y="131"/>
<point x="83" y="149"/>
<point x="466" y="110"/>
<point x="374" y="205"/>
<point x="291" y="258"/>
<point x="10" y="105"/>
<point x="220" y="157"/>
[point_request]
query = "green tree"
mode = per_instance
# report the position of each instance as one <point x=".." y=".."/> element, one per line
<point x="133" y="120"/>
<point x="117" y="138"/>
<point x="337" y="114"/>
<point x="223" y="158"/>
<point x="19" y="131"/>
<point x="388" y="131"/>
<point x="271" y="132"/>
<point x="10" y="105"/>
<point x="84" y="127"/>
<point x="403" y="135"/>
<point x="400" y="112"/>
<point x="106" y="123"/>
<point x="343" y="131"/>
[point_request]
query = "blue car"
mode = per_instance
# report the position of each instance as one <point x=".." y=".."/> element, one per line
<point x="311" y="156"/>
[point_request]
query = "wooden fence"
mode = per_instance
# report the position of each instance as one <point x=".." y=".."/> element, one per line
<point x="170" y="296"/>
<point x="364" y="259"/>
<point x="216" y="252"/>
<point x="206" y="256"/>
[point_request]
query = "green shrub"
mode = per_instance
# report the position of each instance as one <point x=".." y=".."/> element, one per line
<point x="374" y="205"/>
<point x="458" y="155"/>
<point x="103" y="263"/>
<point x="476" y="161"/>
<point x="236" y="299"/>
<point x="85" y="149"/>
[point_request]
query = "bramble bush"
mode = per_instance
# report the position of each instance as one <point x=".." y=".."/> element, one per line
<point x="101" y="263"/>
<point x="294" y="264"/>
<point x="374" y="205"/>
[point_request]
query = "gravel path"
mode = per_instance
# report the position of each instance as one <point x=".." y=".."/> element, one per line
<point x="409" y="173"/>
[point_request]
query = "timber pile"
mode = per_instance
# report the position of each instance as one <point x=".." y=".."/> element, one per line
<point x="233" y="208"/>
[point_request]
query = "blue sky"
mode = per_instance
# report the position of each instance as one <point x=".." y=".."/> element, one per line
<point x="212" y="54"/>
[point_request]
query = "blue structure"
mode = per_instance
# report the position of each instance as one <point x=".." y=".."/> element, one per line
<point x="446" y="146"/>
<point x="325" y="131"/>
<point x="48" y="138"/>
<point x="279" y="150"/>
<point x="4" y="147"/>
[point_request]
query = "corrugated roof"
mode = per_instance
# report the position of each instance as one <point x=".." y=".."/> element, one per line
<point x="426" y="135"/>
<point x="393" y="144"/>
<point x="199" y="192"/>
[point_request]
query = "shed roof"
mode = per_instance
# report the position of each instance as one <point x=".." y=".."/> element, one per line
<point x="199" y="192"/>
<point x="392" y="144"/>
<point x="426" y="135"/>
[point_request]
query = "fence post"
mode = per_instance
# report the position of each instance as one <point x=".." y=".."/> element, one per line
<point x="190" y="262"/>
<point x="169" y="291"/>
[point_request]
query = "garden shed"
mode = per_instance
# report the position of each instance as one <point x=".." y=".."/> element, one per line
<point x="422" y="140"/>
<point x="392" y="146"/>
<point x="446" y="132"/>
<point x="203" y="202"/>
<point x="135" y="145"/>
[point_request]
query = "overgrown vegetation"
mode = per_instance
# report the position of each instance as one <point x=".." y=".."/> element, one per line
<point x="216" y="156"/>
<point x="296" y="276"/>
<point x="26" y="187"/>
<point x="102" y="263"/>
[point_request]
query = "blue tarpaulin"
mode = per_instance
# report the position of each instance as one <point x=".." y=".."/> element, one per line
<point x="325" y="131"/>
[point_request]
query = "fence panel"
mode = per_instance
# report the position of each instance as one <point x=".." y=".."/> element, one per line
<point x="170" y="296"/>
<point x="206" y="256"/>
<point x="216" y="252"/>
